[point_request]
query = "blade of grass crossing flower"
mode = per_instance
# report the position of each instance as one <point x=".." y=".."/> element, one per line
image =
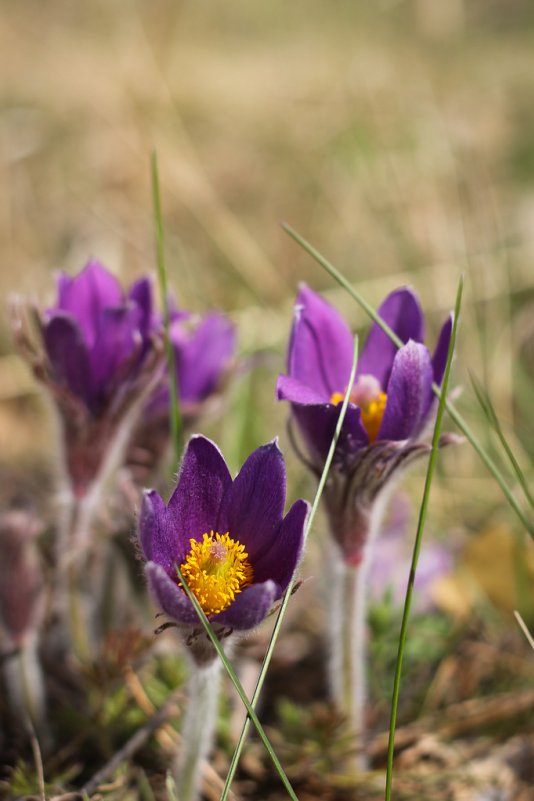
<point x="176" y="418"/>
<point x="491" y="415"/>
<point x="237" y="684"/>
<point x="289" y="590"/>
<point x="524" y="629"/>
<point x="455" y="416"/>
<point x="417" y="544"/>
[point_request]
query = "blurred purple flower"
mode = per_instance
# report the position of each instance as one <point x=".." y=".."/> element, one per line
<point x="96" y="336"/>
<point x="204" y="350"/>
<point x="99" y="356"/>
<point x="390" y="405"/>
<point x="234" y="547"/>
<point x="392" y="556"/>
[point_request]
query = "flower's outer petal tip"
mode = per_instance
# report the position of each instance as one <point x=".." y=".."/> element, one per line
<point x="203" y="480"/>
<point x="439" y="358"/>
<point x="254" y="504"/>
<point x="409" y="393"/>
<point x="168" y="596"/>
<point x="250" y="607"/>
<point x="152" y="528"/>
<point x="280" y="561"/>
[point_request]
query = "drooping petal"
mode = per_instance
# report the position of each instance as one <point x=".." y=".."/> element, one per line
<point x="194" y="506"/>
<point x="202" y="356"/>
<point x="250" y="607"/>
<point x="409" y="393"/>
<point x="87" y="294"/>
<point x="68" y="356"/>
<point x="439" y="359"/>
<point x="280" y="560"/>
<point x="320" y="348"/>
<point x="402" y="312"/>
<point x="317" y="425"/>
<point x="293" y="390"/>
<point x="160" y="541"/>
<point x="254" y="504"/>
<point x="169" y="597"/>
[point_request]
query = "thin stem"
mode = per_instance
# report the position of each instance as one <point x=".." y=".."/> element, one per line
<point x="355" y="620"/>
<point x="524" y="629"/>
<point x="208" y="628"/>
<point x="72" y="547"/>
<point x="453" y="413"/>
<point x="289" y="590"/>
<point x="417" y="544"/>
<point x="198" y="729"/>
<point x="175" y="414"/>
<point x="346" y="600"/>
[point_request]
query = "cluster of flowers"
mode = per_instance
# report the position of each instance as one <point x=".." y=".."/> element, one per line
<point x="100" y="353"/>
<point x="101" y="357"/>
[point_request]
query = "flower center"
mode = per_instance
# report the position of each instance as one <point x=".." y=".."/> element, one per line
<point x="216" y="569"/>
<point x="367" y="394"/>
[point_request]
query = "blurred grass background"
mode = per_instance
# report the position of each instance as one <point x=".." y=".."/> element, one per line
<point x="398" y="137"/>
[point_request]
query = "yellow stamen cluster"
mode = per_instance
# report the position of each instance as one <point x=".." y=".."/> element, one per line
<point x="372" y="412"/>
<point x="216" y="569"/>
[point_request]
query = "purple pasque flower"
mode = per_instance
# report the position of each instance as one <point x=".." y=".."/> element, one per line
<point x="98" y="356"/>
<point x="391" y="403"/>
<point x="203" y="350"/>
<point x="230" y="538"/>
<point x="96" y="335"/>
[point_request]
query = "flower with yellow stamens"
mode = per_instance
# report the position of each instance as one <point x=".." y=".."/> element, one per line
<point x="235" y="575"/>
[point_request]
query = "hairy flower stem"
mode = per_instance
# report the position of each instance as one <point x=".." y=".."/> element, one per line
<point x="198" y="729"/>
<point x="347" y="631"/>
<point x="77" y="519"/>
<point x="23" y="677"/>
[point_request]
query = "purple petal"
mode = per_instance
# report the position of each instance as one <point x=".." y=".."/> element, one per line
<point x="68" y="356"/>
<point x="117" y="338"/>
<point x="409" y="393"/>
<point x="291" y="389"/>
<point x="87" y="294"/>
<point x="141" y="294"/>
<point x="160" y="541"/>
<point x="402" y="312"/>
<point x="250" y="607"/>
<point x="169" y="597"/>
<point x="439" y="359"/>
<point x="320" y="347"/>
<point x="280" y="561"/>
<point x="254" y="504"/>
<point x="202" y="356"/>
<point x="317" y="425"/>
<point x="194" y="506"/>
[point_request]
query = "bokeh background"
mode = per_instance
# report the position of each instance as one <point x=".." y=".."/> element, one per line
<point x="398" y="137"/>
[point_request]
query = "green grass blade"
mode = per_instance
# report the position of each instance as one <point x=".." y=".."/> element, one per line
<point x="237" y="684"/>
<point x="524" y="629"/>
<point x="453" y="413"/>
<point x="289" y="590"/>
<point x="417" y="544"/>
<point x="176" y="417"/>
<point x="487" y="407"/>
